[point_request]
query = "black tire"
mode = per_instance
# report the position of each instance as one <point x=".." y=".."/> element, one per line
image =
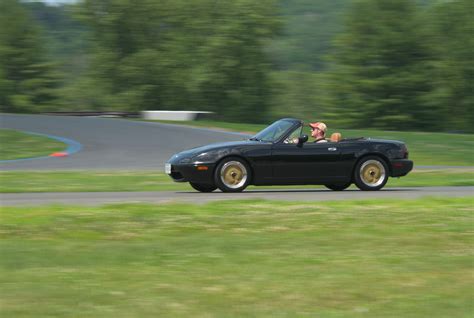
<point x="203" y="187"/>
<point x="232" y="175"/>
<point x="338" y="187"/>
<point x="371" y="173"/>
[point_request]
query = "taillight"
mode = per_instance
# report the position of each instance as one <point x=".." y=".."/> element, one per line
<point x="405" y="152"/>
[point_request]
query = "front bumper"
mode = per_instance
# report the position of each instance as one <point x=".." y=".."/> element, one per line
<point x="197" y="173"/>
<point x="401" y="167"/>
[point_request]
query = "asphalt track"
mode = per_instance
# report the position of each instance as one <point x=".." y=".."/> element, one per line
<point x="119" y="144"/>
<point x="114" y="144"/>
<point x="99" y="198"/>
<point x="110" y="143"/>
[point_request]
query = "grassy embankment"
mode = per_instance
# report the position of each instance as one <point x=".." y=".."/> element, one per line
<point x="18" y="145"/>
<point x="403" y="258"/>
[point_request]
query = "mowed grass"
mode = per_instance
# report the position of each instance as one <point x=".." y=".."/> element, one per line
<point x="403" y="258"/>
<point x="87" y="181"/>
<point x="96" y="181"/>
<point x="426" y="148"/>
<point x="19" y="145"/>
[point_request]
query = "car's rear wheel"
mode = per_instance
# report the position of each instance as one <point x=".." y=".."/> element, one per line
<point x="203" y="187"/>
<point x="338" y="187"/>
<point x="232" y="175"/>
<point x="371" y="173"/>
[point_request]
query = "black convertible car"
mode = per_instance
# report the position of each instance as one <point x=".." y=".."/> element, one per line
<point x="281" y="155"/>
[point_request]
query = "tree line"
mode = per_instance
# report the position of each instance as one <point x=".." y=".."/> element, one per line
<point x="372" y="64"/>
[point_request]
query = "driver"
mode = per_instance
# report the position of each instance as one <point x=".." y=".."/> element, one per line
<point x="318" y="131"/>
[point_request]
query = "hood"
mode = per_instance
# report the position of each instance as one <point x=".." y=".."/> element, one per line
<point x="211" y="147"/>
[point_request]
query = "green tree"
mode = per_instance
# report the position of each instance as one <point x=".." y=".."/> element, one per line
<point x="64" y="39"/>
<point x="27" y="79"/>
<point x="450" y="30"/>
<point x="308" y="27"/>
<point x="203" y="54"/>
<point x="236" y="70"/>
<point x="299" y="95"/>
<point x="381" y="68"/>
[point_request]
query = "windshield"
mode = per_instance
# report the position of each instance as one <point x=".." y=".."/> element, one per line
<point x="274" y="132"/>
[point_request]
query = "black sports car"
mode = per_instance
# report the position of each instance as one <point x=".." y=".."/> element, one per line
<point x="281" y="155"/>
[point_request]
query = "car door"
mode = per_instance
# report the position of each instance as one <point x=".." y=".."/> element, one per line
<point x="307" y="163"/>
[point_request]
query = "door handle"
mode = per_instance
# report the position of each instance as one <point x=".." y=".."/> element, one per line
<point x="332" y="149"/>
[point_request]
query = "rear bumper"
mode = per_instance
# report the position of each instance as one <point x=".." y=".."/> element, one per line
<point x="197" y="173"/>
<point x="401" y="167"/>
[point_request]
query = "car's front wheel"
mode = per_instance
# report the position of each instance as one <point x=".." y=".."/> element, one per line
<point x="232" y="175"/>
<point x="203" y="187"/>
<point x="338" y="187"/>
<point x="371" y="173"/>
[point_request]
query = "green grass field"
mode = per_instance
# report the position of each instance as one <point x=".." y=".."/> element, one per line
<point x="17" y="145"/>
<point x="403" y="258"/>
<point x="90" y="181"/>
<point x="425" y="148"/>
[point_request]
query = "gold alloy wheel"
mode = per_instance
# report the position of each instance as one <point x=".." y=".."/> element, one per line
<point x="372" y="173"/>
<point x="233" y="174"/>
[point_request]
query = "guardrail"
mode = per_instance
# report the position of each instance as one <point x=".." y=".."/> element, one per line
<point x="178" y="115"/>
<point x="95" y="114"/>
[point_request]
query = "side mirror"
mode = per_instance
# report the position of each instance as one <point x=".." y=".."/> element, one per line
<point x="302" y="140"/>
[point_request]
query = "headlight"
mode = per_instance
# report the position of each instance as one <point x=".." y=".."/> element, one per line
<point x="185" y="161"/>
<point x="204" y="157"/>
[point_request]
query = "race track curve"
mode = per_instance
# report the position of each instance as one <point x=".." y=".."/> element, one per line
<point x="110" y="143"/>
